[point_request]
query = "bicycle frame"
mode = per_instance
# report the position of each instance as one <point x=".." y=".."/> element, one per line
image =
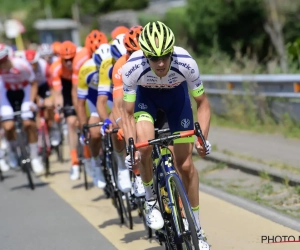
<point x="43" y="127"/>
<point x="165" y="172"/>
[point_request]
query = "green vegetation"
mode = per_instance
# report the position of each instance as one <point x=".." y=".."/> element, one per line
<point x="35" y="9"/>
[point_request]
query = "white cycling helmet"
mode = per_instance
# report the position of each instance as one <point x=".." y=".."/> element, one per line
<point x="45" y="49"/>
<point x="20" y="54"/>
<point x="117" y="47"/>
<point x="4" y="51"/>
<point x="102" y="53"/>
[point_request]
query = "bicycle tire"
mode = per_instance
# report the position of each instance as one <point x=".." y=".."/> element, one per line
<point x="45" y="155"/>
<point x="169" y="236"/>
<point x="1" y="176"/>
<point x="177" y="193"/>
<point x="86" y="184"/>
<point x="126" y="209"/>
<point x="141" y="213"/>
<point x="25" y="161"/>
<point x="118" y="206"/>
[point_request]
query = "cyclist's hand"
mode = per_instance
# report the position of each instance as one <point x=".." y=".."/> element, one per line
<point x="120" y="135"/>
<point x="33" y="106"/>
<point x="106" y="127"/>
<point x="128" y="163"/>
<point x="82" y="140"/>
<point x="201" y="150"/>
<point x="137" y="159"/>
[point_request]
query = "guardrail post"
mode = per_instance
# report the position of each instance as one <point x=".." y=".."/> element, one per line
<point x="229" y="85"/>
<point x="296" y="87"/>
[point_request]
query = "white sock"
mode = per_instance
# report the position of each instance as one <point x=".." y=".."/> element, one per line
<point x="119" y="156"/>
<point x="196" y="215"/>
<point x="33" y="150"/>
<point x="149" y="191"/>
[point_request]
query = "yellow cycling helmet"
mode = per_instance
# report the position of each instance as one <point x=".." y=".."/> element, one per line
<point x="156" y="39"/>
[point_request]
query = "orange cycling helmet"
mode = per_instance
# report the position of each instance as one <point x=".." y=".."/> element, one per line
<point x="131" y="39"/>
<point x="56" y="47"/>
<point x="67" y="50"/>
<point x="117" y="31"/>
<point x="94" y="40"/>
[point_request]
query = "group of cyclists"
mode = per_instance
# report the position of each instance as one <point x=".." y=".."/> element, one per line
<point x="137" y="81"/>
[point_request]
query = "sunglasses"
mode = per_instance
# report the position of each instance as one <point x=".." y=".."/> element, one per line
<point x="158" y="58"/>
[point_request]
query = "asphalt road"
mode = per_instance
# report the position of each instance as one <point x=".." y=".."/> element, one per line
<point x="61" y="215"/>
<point x="269" y="148"/>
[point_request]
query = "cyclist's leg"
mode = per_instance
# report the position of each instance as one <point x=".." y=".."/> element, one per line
<point x="95" y="146"/>
<point x="54" y="133"/>
<point x="3" y="165"/>
<point x="145" y="131"/>
<point x="31" y="131"/>
<point x="6" y="111"/>
<point x="70" y="116"/>
<point x="180" y="118"/>
<point x="8" y="99"/>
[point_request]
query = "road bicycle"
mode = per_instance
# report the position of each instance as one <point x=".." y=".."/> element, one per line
<point x="22" y="149"/>
<point x="180" y="230"/>
<point x="44" y="140"/>
<point x="120" y="200"/>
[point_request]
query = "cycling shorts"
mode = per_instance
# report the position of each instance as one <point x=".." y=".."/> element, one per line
<point x="175" y="103"/>
<point x="67" y="97"/>
<point x="44" y="91"/>
<point x="15" y="100"/>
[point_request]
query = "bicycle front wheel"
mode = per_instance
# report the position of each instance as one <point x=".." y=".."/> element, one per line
<point x="45" y="154"/>
<point x="126" y="208"/>
<point x="182" y="213"/>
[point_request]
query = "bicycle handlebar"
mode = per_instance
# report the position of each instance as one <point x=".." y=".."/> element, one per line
<point x="164" y="141"/>
<point x="98" y="124"/>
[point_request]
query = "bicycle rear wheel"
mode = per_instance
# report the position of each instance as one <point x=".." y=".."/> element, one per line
<point x="126" y="208"/>
<point x="184" y="219"/>
<point x="45" y="154"/>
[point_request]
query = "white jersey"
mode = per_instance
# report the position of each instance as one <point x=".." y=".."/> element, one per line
<point x="183" y="68"/>
<point x="19" y="76"/>
<point x="42" y="72"/>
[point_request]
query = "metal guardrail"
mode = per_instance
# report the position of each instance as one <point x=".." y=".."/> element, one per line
<point x="284" y="91"/>
<point x="282" y="86"/>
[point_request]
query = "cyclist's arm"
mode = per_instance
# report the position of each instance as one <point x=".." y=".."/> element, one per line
<point x="33" y="82"/>
<point x="33" y="91"/>
<point x="127" y="109"/>
<point x="101" y="106"/>
<point x="74" y="96"/>
<point x="81" y="96"/>
<point x="203" y="113"/>
<point x="81" y="114"/>
<point x="57" y="92"/>
<point x="117" y="110"/>
<point x="128" y="122"/>
<point x="197" y="91"/>
<point x="117" y="94"/>
<point x="104" y="87"/>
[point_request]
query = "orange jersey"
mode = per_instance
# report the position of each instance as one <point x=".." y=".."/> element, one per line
<point x="117" y="76"/>
<point x="58" y="71"/>
<point x="81" y="57"/>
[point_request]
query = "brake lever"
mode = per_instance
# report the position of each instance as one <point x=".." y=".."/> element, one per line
<point x="131" y="149"/>
<point x="199" y="134"/>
